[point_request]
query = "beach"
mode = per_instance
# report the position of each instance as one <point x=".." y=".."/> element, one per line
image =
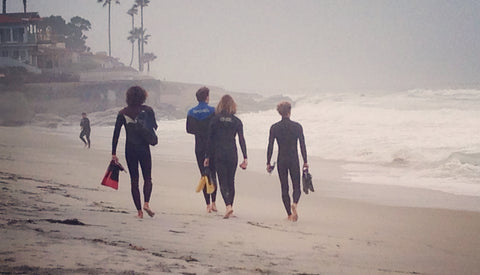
<point x="56" y="218"/>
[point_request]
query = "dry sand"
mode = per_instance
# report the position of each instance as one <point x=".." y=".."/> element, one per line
<point x="57" y="219"/>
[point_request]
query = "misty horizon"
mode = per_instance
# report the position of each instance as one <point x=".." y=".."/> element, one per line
<point x="281" y="46"/>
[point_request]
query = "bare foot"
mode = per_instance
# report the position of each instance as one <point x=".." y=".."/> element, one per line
<point x="209" y="208"/>
<point x="140" y="214"/>
<point x="147" y="209"/>
<point x="214" y="207"/>
<point x="294" y="212"/>
<point x="228" y="212"/>
<point x="290" y="218"/>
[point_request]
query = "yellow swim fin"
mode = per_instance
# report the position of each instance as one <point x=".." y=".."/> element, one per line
<point x="201" y="183"/>
<point x="210" y="185"/>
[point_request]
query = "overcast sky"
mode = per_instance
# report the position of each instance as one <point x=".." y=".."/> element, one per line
<point x="297" y="45"/>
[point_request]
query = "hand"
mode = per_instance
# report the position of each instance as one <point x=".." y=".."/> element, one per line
<point x="206" y="162"/>
<point x="305" y="166"/>
<point x="244" y="164"/>
<point x="115" y="158"/>
<point x="269" y="168"/>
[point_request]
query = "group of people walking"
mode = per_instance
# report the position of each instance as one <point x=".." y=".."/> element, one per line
<point x="215" y="131"/>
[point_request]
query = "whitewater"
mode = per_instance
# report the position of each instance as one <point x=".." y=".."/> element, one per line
<point x="418" y="138"/>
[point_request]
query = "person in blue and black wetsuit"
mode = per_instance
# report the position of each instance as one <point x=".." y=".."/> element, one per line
<point x="198" y="119"/>
<point x="287" y="133"/>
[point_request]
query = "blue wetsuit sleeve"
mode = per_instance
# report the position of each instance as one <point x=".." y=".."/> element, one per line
<point x="116" y="132"/>
<point x="271" y="139"/>
<point x="241" y="139"/>
<point x="303" y="148"/>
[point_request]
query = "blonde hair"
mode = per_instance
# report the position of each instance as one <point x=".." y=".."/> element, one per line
<point x="226" y="106"/>
<point x="284" y="108"/>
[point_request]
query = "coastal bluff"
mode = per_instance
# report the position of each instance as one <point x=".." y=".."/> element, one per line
<point x="53" y="104"/>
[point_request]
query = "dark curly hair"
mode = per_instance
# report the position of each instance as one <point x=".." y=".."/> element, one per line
<point x="136" y="96"/>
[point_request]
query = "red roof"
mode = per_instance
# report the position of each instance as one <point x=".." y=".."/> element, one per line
<point x="19" y="17"/>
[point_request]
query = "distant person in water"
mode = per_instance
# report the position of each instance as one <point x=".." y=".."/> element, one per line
<point x="85" y="129"/>
<point x="137" y="150"/>
<point x="198" y="120"/>
<point x="287" y="133"/>
<point x="221" y="147"/>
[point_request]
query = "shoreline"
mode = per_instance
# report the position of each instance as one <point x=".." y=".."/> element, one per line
<point x="52" y="201"/>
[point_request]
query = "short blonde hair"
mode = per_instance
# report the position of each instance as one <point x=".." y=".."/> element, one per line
<point x="284" y="108"/>
<point x="226" y="106"/>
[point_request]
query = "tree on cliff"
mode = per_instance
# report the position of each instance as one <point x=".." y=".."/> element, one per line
<point x="4" y="6"/>
<point x="109" y="4"/>
<point x="147" y="58"/>
<point x="75" y="39"/>
<point x="25" y="6"/>
<point x="72" y="34"/>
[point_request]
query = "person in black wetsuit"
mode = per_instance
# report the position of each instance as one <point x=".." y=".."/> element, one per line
<point x="85" y="132"/>
<point x="137" y="150"/>
<point x="287" y="133"/>
<point x="221" y="145"/>
<point x="198" y="119"/>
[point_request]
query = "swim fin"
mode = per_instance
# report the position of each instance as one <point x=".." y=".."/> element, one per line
<point x="201" y="184"/>
<point x="307" y="182"/>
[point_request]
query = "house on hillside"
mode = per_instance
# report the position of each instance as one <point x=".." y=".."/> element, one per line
<point x="18" y="37"/>
<point x="31" y="42"/>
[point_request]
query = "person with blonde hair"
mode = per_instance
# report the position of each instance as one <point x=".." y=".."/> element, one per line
<point x="287" y="133"/>
<point x="221" y="145"/>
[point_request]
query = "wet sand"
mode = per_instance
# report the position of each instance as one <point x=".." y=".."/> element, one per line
<point x="57" y="219"/>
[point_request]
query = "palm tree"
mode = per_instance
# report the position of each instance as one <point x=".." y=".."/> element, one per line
<point x="147" y="58"/>
<point x="109" y="3"/>
<point x="132" y="13"/>
<point x="24" y="6"/>
<point x="142" y="4"/>
<point x="4" y="6"/>
<point x="136" y="34"/>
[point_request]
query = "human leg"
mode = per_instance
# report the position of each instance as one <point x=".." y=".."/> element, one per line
<point x="82" y="134"/>
<point x="282" y="169"/>
<point x="87" y="134"/>
<point x="146" y="165"/>
<point x="132" y="164"/>
<point x="295" y="177"/>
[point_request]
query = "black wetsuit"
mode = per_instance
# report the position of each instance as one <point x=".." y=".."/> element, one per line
<point x="85" y="124"/>
<point x="136" y="151"/>
<point x="198" y="119"/>
<point x="287" y="133"/>
<point x="221" y="145"/>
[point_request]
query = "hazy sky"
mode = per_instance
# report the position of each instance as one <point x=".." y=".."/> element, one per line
<point x="297" y="45"/>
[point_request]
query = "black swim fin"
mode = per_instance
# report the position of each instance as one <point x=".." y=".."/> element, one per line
<point x="307" y="182"/>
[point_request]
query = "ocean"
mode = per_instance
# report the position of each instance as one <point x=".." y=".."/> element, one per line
<point x="419" y="138"/>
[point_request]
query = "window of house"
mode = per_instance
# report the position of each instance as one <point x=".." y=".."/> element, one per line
<point x="23" y="55"/>
<point x="16" y="54"/>
<point x="5" y="53"/>
<point x="18" y="34"/>
<point x="5" y="35"/>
